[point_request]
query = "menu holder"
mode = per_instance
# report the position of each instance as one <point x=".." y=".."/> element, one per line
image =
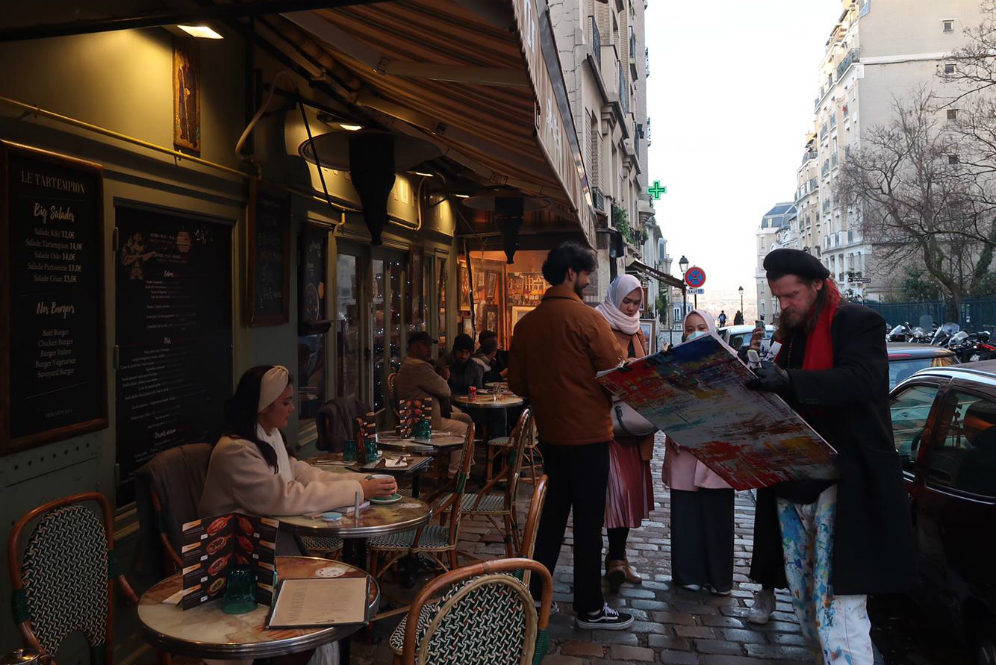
<point x="212" y="545"/>
<point x="412" y="412"/>
<point x="319" y="602"/>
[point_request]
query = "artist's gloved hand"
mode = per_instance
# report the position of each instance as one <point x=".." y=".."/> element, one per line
<point x="770" y="378"/>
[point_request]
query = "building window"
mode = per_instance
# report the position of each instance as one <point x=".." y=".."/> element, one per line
<point x="952" y="159"/>
<point x="949" y="68"/>
<point x="952" y="114"/>
<point x="947" y="25"/>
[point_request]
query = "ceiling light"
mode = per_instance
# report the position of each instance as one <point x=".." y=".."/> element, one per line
<point x="349" y="127"/>
<point x="462" y="196"/>
<point x="200" y="31"/>
<point x="421" y="173"/>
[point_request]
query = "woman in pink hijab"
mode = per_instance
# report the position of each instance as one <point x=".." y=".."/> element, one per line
<point x="701" y="506"/>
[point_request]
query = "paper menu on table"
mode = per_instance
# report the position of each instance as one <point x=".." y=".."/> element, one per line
<point x="695" y="393"/>
<point x="302" y="603"/>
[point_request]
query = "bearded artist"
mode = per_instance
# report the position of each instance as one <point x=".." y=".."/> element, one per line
<point x="841" y="540"/>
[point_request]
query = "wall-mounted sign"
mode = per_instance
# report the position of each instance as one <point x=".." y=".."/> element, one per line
<point x="173" y="283"/>
<point x="314" y="251"/>
<point x="269" y="257"/>
<point x="53" y="381"/>
<point x="656" y="190"/>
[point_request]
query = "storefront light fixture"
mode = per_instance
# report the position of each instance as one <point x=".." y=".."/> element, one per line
<point x="462" y="196"/>
<point x="200" y="31"/>
<point x="424" y="174"/>
<point x="350" y="127"/>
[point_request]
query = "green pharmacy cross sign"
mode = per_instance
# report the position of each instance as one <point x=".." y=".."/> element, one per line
<point x="656" y="190"/>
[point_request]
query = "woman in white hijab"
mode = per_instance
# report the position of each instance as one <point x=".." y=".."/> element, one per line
<point x="701" y="506"/>
<point x="631" y="489"/>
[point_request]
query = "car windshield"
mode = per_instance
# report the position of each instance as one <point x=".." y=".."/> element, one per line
<point x="903" y="368"/>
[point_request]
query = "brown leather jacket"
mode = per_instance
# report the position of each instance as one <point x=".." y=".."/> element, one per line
<point x="556" y="351"/>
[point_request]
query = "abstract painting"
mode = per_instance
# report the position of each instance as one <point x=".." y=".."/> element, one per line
<point x="186" y="95"/>
<point x="695" y="394"/>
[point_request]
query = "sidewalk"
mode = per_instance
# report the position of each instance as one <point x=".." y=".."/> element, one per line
<point x="672" y="625"/>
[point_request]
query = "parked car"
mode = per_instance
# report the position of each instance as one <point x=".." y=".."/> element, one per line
<point x="737" y="336"/>
<point x="907" y="359"/>
<point x="944" y="423"/>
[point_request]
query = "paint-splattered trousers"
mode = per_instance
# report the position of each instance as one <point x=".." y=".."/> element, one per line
<point x="837" y="625"/>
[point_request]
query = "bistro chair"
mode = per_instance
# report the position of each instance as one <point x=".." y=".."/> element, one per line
<point x="531" y="451"/>
<point x="495" y="505"/>
<point x="64" y="583"/>
<point x="392" y="396"/>
<point x="432" y="540"/>
<point x="487" y="616"/>
<point x="429" y="609"/>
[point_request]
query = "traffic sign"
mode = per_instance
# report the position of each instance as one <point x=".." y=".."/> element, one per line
<point x="695" y="277"/>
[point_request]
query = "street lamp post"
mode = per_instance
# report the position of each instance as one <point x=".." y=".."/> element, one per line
<point x="683" y="264"/>
<point x="741" y="289"/>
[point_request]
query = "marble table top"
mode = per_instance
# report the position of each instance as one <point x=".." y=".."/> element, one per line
<point x="333" y="463"/>
<point x="375" y="520"/>
<point x="206" y="631"/>
<point x="438" y="440"/>
<point x="489" y="401"/>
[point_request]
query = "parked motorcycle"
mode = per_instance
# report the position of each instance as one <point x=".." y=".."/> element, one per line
<point x="944" y="333"/>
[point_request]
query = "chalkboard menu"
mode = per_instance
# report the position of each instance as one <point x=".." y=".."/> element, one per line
<point x="269" y="257"/>
<point x="314" y="262"/>
<point x="174" y="334"/>
<point x="52" y="355"/>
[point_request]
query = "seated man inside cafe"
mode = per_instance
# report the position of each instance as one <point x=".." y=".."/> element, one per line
<point x="464" y="373"/>
<point x="418" y="379"/>
<point x="494" y="359"/>
<point x="486" y="357"/>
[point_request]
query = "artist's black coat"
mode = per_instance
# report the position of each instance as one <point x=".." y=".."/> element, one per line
<point x="849" y="406"/>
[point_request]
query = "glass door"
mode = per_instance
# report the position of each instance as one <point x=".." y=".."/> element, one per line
<point x="349" y="324"/>
<point x="386" y="321"/>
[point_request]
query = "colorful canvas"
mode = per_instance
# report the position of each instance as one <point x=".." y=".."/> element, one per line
<point x="695" y="394"/>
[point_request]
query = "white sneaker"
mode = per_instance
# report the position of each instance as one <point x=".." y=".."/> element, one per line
<point x="764" y="605"/>
<point x="605" y="619"/>
<point x="692" y="587"/>
<point x="554" y="607"/>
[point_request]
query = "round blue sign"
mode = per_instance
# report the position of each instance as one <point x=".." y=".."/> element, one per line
<point x="695" y="277"/>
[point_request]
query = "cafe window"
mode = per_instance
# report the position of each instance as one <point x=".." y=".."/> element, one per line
<point x="910" y="410"/>
<point x="441" y="300"/>
<point x="964" y="458"/>
<point x="349" y="351"/>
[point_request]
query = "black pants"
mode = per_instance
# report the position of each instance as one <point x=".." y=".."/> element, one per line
<point x="578" y="479"/>
<point x="702" y="538"/>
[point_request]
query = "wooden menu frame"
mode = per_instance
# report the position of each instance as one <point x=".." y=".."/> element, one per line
<point x="97" y="420"/>
<point x="256" y="190"/>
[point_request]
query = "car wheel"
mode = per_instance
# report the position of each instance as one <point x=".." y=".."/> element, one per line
<point x="986" y="651"/>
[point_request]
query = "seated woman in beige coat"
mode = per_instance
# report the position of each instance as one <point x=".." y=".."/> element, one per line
<point x="250" y="469"/>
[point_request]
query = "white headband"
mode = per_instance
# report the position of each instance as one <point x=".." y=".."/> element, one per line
<point x="272" y="386"/>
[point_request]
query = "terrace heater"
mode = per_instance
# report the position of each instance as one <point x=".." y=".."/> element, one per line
<point x="371" y="167"/>
<point x="509" y="212"/>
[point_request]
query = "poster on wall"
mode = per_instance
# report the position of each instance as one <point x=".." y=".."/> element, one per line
<point x="173" y="277"/>
<point x="268" y="260"/>
<point x="464" y="286"/>
<point x="52" y="345"/>
<point x="186" y="95"/>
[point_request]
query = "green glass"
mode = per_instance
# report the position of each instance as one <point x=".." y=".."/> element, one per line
<point x="240" y="593"/>
<point x="349" y="450"/>
<point x="371" y="447"/>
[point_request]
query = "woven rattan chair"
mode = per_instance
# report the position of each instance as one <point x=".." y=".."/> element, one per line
<point x="532" y="457"/>
<point x="64" y="582"/>
<point x="432" y="540"/>
<point x="488" y="616"/>
<point x="501" y="505"/>
<point x="392" y="396"/>
<point x="429" y="609"/>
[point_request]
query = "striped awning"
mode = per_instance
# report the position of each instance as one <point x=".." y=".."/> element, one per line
<point x="480" y="78"/>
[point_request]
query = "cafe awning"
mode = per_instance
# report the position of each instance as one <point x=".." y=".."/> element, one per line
<point x="479" y="78"/>
<point x="637" y="266"/>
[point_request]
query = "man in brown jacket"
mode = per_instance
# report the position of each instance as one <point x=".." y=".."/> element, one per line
<point x="556" y="351"/>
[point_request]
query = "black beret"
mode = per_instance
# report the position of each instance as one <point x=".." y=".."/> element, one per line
<point x="795" y="262"/>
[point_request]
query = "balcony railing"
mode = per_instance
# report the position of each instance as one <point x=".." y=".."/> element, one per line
<point x="851" y="57"/>
<point x="596" y="43"/>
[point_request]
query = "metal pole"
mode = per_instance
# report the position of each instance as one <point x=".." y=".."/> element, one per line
<point x="695" y="299"/>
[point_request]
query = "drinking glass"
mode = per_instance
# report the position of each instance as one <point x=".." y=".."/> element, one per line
<point x="349" y="450"/>
<point x="371" y="447"/>
<point x="240" y="594"/>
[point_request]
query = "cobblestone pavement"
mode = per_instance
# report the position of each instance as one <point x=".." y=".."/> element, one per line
<point x="672" y="625"/>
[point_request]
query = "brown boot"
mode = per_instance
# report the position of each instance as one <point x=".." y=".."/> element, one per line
<point x="615" y="573"/>
<point x="631" y="575"/>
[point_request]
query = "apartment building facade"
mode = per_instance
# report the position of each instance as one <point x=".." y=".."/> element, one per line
<point x="776" y="230"/>
<point x="878" y="52"/>
<point x="605" y="62"/>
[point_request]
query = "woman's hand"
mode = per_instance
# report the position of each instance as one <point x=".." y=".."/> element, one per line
<point x="378" y="487"/>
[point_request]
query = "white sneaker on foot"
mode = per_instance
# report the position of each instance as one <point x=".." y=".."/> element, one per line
<point x="554" y="607"/>
<point x="764" y="605"/>
<point x="605" y="619"/>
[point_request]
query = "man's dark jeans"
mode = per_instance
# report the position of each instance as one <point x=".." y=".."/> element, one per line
<point x="578" y="479"/>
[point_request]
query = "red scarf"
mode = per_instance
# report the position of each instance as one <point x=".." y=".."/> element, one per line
<point x="819" y="343"/>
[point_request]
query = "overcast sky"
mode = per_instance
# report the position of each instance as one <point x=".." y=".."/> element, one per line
<point x="730" y="97"/>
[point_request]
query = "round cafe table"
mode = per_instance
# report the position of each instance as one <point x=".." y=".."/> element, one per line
<point x="489" y="401"/>
<point x="377" y="519"/>
<point x="206" y="631"/>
